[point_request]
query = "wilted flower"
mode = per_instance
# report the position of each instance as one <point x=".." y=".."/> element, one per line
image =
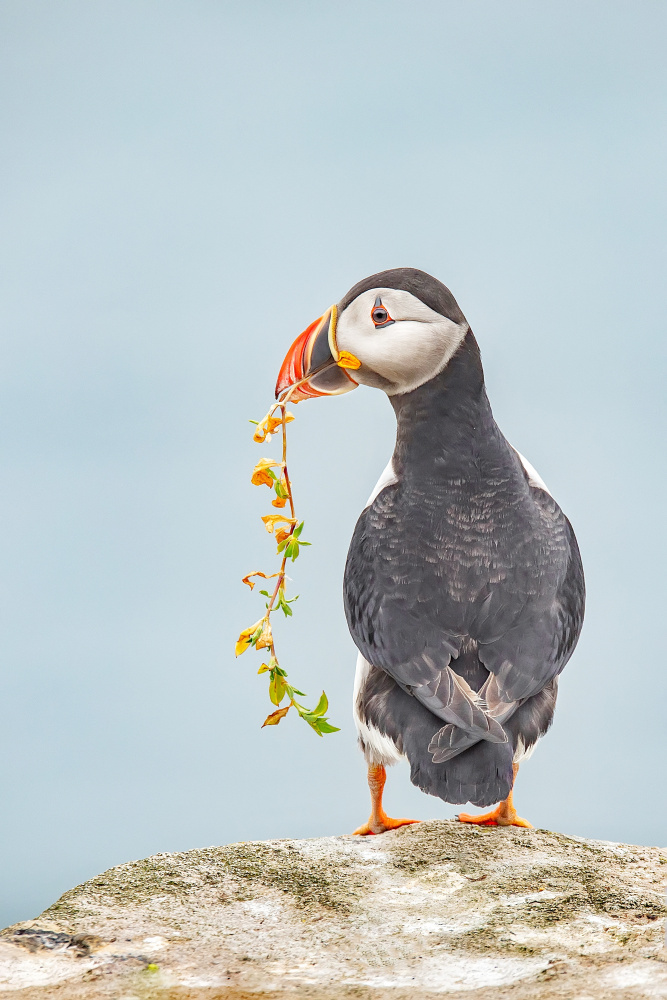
<point x="261" y="475"/>
<point x="266" y="638"/>
<point x="257" y="572"/>
<point x="282" y="491"/>
<point x="270" y="521"/>
<point x="269" y="425"/>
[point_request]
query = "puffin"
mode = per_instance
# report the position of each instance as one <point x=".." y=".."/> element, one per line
<point x="463" y="587"/>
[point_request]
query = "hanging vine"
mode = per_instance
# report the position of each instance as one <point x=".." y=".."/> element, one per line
<point x="286" y="530"/>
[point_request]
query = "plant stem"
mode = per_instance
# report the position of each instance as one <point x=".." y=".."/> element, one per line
<point x="288" y="487"/>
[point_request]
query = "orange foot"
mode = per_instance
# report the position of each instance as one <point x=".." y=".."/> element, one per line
<point x="500" y="816"/>
<point x="380" y="824"/>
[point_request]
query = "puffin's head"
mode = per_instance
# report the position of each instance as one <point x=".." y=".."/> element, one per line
<point x="394" y="330"/>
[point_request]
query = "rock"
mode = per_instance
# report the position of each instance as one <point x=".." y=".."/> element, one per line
<point x="428" y="910"/>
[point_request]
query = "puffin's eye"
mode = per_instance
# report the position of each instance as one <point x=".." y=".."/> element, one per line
<point x="379" y="314"/>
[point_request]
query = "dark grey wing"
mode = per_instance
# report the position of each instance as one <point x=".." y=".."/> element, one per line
<point x="525" y="647"/>
<point x="417" y="585"/>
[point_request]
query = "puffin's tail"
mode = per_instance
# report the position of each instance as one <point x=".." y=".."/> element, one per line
<point x="475" y="770"/>
<point x="481" y="774"/>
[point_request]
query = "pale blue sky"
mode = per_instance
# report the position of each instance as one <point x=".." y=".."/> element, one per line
<point x="185" y="186"/>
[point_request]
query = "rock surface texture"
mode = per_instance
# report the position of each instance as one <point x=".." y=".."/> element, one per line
<point x="424" y="911"/>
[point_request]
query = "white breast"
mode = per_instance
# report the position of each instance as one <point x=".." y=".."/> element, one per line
<point x="534" y="478"/>
<point x="386" y="479"/>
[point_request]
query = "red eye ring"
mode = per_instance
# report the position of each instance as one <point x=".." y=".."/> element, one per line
<point x="380" y="315"/>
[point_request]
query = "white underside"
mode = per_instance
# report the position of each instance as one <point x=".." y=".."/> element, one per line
<point x="378" y="748"/>
<point x="521" y="754"/>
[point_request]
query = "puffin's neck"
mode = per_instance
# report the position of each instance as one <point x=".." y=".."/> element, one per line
<point x="446" y="420"/>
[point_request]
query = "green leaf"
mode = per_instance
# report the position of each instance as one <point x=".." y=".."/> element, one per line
<point x="312" y="723"/>
<point x="276" y="688"/>
<point x="283" y="604"/>
<point x="256" y="634"/>
<point x="298" y="530"/>
<point x="265" y="593"/>
<point x="321" y="706"/>
<point x="326" y="727"/>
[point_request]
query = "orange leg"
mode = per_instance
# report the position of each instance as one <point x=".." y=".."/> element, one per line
<point x="378" y="821"/>
<point x="503" y="815"/>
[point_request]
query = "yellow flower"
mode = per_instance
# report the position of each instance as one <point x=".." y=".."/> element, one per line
<point x="279" y="502"/>
<point x="281" y="535"/>
<point x="244" y="640"/>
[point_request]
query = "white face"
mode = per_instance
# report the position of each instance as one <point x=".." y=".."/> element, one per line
<point x="406" y="353"/>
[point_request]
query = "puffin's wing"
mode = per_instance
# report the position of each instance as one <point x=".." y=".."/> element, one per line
<point x="527" y="629"/>
<point x="411" y="600"/>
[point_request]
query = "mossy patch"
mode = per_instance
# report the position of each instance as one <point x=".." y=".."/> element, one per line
<point x="283" y="867"/>
<point x="126" y="885"/>
<point x="593" y="879"/>
<point x="238" y="872"/>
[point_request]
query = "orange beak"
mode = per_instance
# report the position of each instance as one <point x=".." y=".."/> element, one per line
<point x="312" y="364"/>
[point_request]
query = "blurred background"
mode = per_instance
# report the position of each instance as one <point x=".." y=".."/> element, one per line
<point x="185" y="186"/>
